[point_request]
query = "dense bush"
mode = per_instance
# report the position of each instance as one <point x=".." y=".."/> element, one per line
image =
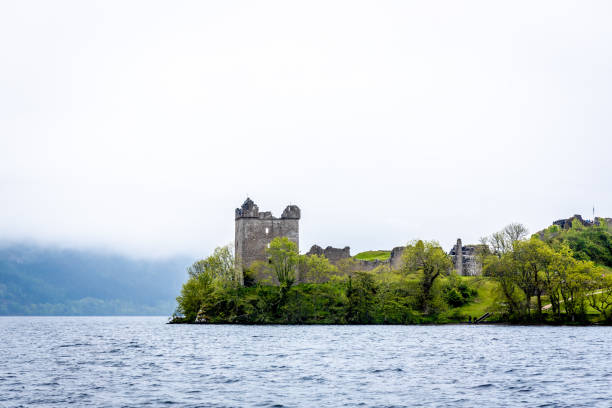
<point x="587" y="243"/>
<point x="354" y="300"/>
<point x="457" y="292"/>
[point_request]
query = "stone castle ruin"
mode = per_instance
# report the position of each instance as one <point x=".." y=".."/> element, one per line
<point x="566" y="223"/>
<point x="254" y="230"/>
<point x="336" y="255"/>
<point x="465" y="259"/>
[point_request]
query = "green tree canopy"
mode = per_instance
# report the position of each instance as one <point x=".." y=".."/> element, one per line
<point x="220" y="265"/>
<point x="315" y="269"/>
<point x="428" y="258"/>
<point x="592" y="243"/>
<point x="217" y="269"/>
<point x="284" y="258"/>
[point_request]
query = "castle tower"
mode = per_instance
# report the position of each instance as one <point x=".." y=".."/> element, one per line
<point x="255" y="230"/>
<point x="459" y="257"/>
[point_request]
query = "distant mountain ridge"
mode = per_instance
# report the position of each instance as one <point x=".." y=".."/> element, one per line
<point x="47" y="281"/>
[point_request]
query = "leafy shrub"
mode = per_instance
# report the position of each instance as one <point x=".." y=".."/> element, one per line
<point x="457" y="292"/>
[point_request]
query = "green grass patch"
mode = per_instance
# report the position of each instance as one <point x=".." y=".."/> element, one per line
<point x="485" y="300"/>
<point x="373" y="255"/>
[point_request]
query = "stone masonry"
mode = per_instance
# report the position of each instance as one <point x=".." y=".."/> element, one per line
<point x="255" y="230"/>
<point x="566" y="223"/>
<point x="332" y="254"/>
<point x="465" y="259"/>
<point x="335" y="255"/>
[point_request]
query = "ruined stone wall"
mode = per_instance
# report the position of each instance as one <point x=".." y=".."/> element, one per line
<point x="567" y="223"/>
<point x="335" y="255"/>
<point x="332" y="254"/>
<point x="396" y="257"/>
<point x="254" y="230"/>
<point x="465" y="259"/>
<point x="363" y="265"/>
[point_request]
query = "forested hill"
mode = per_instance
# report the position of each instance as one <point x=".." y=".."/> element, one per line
<point x="42" y="281"/>
<point x="587" y="242"/>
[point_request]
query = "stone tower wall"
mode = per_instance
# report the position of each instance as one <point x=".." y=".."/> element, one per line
<point x="396" y="257"/>
<point x="254" y="230"/>
<point x="458" y="258"/>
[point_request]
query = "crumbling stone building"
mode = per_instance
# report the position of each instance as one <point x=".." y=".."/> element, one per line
<point x="465" y="259"/>
<point x="336" y="255"/>
<point x="566" y="223"/>
<point x="255" y="230"/>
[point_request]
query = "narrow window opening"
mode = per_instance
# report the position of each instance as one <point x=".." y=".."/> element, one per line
<point x="267" y="230"/>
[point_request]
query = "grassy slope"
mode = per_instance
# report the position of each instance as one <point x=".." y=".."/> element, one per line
<point x="485" y="301"/>
<point x="373" y="255"/>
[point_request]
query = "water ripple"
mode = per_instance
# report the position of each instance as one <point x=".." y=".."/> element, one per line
<point x="141" y="362"/>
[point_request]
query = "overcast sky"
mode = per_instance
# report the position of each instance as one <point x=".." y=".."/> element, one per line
<point x="139" y="126"/>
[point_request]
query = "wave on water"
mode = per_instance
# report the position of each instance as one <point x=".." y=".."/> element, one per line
<point x="138" y="362"/>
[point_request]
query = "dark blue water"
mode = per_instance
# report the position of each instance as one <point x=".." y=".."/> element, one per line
<point x="140" y="361"/>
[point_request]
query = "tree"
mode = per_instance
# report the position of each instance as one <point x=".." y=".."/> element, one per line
<point x="533" y="268"/>
<point x="220" y="265"/>
<point x="501" y="241"/>
<point x="573" y="288"/>
<point x="360" y="293"/>
<point x="521" y="275"/>
<point x="561" y="261"/>
<point x="205" y="275"/>
<point x="600" y="293"/>
<point x="429" y="259"/>
<point x="193" y="294"/>
<point x="592" y="243"/>
<point x="531" y="260"/>
<point x="515" y="232"/>
<point x="284" y="258"/>
<point x="315" y="269"/>
<point x="456" y="292"/>
<point x="500" y="269"/>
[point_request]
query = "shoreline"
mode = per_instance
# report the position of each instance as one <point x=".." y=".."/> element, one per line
<point x="391" y="324"/>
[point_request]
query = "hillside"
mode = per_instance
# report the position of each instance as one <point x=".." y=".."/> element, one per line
<point x="42" y="281"/>
<point x="589" y="241"/>
<point x="380" y="255"/>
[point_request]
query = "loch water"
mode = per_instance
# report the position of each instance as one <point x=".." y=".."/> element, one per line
<point x="143" y="362"/>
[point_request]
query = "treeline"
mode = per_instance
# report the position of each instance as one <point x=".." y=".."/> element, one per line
<point x="553" y="276"/>
<point x="556" y="276"/>
<point x="417" y="293"/>
<point x="592" y="243"/>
